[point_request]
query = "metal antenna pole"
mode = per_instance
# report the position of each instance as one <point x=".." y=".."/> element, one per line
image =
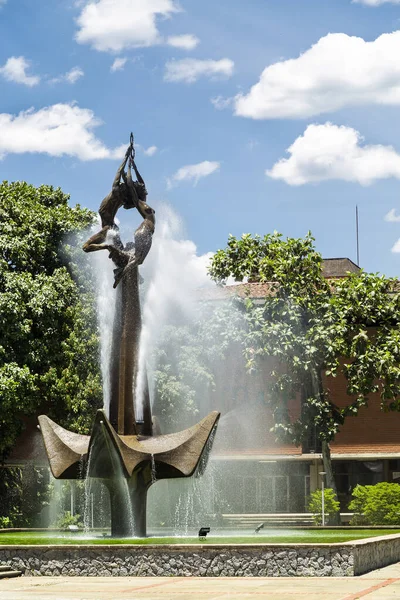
<point x="358" y="244"/>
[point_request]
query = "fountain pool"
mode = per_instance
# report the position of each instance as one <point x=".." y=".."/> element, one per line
<point x="307" y="553"/>
<point x="312" y="535"/>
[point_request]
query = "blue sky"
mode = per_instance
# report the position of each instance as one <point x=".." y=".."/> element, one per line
<point x="215" y="93"/>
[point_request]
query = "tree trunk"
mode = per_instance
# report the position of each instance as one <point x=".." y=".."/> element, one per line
<point x="317" y="389"/>
<point x="329" y="478"/>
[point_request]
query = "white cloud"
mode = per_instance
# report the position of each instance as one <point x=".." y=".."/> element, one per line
<point x="331" y="152"/>
<point x="187" y="41"/>
<point x="396" y="246"/>
<point x="391" y="216"/>
<point x="219" y="102"/>
<point x="118" y="64"/>
<point x="193" y="172"/>
<point x="114" y="25"/>
<point x="71" y="76"/>
<point x="375" y="2"/>
<point x="74" y="74"/>
<point x="2" y="3"/>
<point x="150" y="151"/>
<point x="57" y="130"/>
<point x="338" y="71"/>
<point x="190" y="69"/>
<point x="15" y="70"/>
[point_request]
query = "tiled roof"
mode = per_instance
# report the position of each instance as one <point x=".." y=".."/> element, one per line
<point x="365" y="448"/>
<point x="338" y="267"/>
<point x="332" y="268"/>
<point x="242" y="290"/>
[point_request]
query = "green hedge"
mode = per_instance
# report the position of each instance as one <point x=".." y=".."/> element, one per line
<point x="376" y="504"/>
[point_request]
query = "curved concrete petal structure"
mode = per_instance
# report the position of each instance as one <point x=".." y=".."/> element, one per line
<point x="65" y="449"/>
<point x="140" y="460"/>
<point x="180" y="451"/>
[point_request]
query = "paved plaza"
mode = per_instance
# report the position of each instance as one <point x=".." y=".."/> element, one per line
<point x="383" y="584"/>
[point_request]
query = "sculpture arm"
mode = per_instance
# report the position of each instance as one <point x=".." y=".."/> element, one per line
<point x="120" y="172"/>
<point x="138" y="175"/>
<point x="145" y="210"/>
<point x="129" y="183"/>
<point x="141" y="206"/>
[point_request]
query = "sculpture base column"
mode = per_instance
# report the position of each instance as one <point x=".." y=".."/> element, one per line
<point x="128" y="501"/>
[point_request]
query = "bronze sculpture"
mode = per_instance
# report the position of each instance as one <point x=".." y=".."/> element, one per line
<point x="121" y="448"/>
<point x="109" y="207"/>
<point x="129" y="194"/>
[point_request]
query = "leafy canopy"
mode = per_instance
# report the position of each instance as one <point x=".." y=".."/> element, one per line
<point x="48" y="333"/>
<point x="187" y="359"/>
<point x="23" y="494"/>
<point x="308" y="329"/>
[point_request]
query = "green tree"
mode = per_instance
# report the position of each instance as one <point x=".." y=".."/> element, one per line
<point x="24" y="492"/>
<point x="308" y="328"/>
<point x="331" y="506"/>
<point x="48" y="332"/>
<point x="188" y="358"/>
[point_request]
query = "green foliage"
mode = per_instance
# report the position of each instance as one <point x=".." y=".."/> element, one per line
<point x="376" y="504"/>
<point x="48" y="334"/>
<point x="267" y="258"/>
<point x="66" y="520"/>
<point x="331" y="505"/>
<point x="187" y="359"/>
<point x="291" y="326"/>
<point x="308" y="327"/>
<point x="24" y="492"/>
<point x="5" y="522"/>
<point x="357" y="505"/>
<point x="366" y="308"/>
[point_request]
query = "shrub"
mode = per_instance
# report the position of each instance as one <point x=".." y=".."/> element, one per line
<point x="331" y="505"/>
<point x="376" y="504"/>
<point x="357" y="504"/>
<point x="66" y="519"/>
<point x="5" y="522"/>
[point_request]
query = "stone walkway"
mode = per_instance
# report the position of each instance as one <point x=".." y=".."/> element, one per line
<point x="383" y="584"/>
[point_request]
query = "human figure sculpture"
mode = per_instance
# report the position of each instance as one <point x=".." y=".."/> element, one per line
<point x="129" y="194"/>
<point x="119" y="196"/>
<point x="135" y="255"/>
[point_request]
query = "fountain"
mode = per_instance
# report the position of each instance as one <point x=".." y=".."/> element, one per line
<point x="127" y="452"/>
<point x="125" y="449"/>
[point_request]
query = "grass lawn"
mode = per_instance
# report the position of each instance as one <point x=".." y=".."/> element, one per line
<point x="274" y="536"/>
